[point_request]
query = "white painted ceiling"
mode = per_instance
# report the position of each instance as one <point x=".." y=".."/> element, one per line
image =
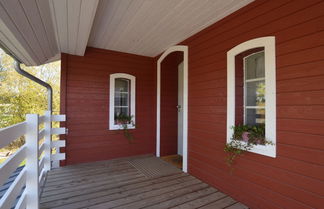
<point x="37" y="31"/>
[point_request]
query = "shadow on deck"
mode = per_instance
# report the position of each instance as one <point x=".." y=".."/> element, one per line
<point x="129" y="183"/>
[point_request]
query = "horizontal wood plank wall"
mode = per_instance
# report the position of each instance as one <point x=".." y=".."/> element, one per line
<point x="295" y="179"/>
<point x="169" y="101"/>
<point x="87" y="105"/>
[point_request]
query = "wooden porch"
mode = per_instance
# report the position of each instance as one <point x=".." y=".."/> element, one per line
<point x="137" y="182"/>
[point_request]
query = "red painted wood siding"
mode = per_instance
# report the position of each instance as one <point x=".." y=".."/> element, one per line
<point x="295" y="179"/>
<point x="169" y="101"/>
<point x="86" y="105"/>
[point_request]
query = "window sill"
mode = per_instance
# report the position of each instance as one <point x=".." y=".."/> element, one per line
<point x="266" y="150"/>
<point x="120" y="127"/>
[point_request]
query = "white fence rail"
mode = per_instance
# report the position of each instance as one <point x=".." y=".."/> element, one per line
<point x="24" y="191"/>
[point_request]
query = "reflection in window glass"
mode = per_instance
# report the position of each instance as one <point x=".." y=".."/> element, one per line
<point x="255" y="93"/>
<point x="122" y="97"/>
<point x="254" y="89"/>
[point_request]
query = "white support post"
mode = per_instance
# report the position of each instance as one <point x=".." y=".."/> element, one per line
<point x="48" y="141"/>
<point x="32" y="182"/>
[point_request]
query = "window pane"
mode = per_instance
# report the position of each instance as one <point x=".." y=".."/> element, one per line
<point x="122" y="91"/>
<point x="121" y="111"/>
<point x="121" y="85"/>
<point x="121" y="99"/>
<point x="255" y="93"/>
<point x="254" y="66"/>
<point x="254" y="116"/>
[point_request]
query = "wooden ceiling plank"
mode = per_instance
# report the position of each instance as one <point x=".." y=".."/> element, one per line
<point x="139" y="27"/>
<point x="73" y="19"/>
<point x="151" y="17"/>
<point x="102" y="21"/>
<point x="133" y="26"/>
<point x="31" y="10"/>
<point x="15" y="48"/>
<point x="101" y="10"/>
<point x="193" y="19"/>
<point x="168" y="29"/>
<point x="9" y="28"/>
<point x="150" y="30"/>
<point x="45" y="13"/>
<point x="55" y="26"/>
<point x="17" y="18"/>
<point x="155" y="25"/>
<point x="118" y="20"/>
<point x="60" y="11"/>
<point x="88" y="11"/>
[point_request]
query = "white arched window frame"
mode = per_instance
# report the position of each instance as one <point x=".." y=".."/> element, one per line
<point x="268" y="43"/>
<point x="132" y="79"/>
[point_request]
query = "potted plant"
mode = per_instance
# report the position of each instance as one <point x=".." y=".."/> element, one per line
<point x="124" y="121"/>
<point x="243" y="139"/>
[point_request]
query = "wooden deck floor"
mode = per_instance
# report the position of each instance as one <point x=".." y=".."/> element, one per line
<point x="129" y="183"/>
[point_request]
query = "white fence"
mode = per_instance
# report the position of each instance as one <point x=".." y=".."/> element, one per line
<point x="39" y="159"/>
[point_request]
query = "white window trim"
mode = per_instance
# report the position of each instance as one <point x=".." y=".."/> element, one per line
<point x="112" y="125"/>
<point x="268" y="43"/>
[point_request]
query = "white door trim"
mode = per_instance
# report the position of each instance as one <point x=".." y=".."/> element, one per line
<point x="183" y="49"/>
<point x="180" y="109"/>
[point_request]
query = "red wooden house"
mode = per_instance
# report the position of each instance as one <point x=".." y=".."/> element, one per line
<point x="187" y="72"/>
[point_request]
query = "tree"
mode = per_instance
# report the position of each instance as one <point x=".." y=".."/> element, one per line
<point x="20" y="96"/>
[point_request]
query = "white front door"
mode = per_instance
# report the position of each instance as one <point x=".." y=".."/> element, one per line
<point x="180" y="109"/>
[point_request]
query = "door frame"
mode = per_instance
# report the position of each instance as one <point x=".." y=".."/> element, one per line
<point x="184" y="49"/>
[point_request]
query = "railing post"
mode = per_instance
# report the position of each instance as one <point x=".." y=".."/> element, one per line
<point x="48" y="140"/>
<point x="32" y="167"/>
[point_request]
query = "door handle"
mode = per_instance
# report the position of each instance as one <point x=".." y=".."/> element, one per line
<point x="179" y="108"/>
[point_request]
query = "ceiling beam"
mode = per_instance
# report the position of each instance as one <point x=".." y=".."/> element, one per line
<point x="73" y="21"/>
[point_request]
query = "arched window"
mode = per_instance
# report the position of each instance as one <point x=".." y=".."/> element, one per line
<point x="122" y="100"/>
<point x="251" y="90"/>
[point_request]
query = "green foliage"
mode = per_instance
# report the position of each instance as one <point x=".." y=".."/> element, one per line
<point x="256" y="134"/>
<point x="234" y="149"/>
<point x="20" y="96"/>
<point x="243" y="139"/>
<point x="124" y="121"/>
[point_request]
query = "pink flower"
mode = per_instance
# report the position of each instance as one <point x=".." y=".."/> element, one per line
<point x="245" y="136"/>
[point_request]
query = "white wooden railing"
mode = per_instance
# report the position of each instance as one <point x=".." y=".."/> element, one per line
<point x="39" y="159"/>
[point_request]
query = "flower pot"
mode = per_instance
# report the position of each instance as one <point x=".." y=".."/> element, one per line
<point x="245" y="136"/>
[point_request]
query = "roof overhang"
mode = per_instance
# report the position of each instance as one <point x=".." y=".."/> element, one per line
<point x="38" y="31"/>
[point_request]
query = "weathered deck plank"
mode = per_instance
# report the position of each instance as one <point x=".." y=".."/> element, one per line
<point x="89" y="185"/>
<point x="201" y="201"/>
<point x="114" y="193"/>
<point x="221" y="203"/>
<point x="182" y="199"/>
<point x="128" y="184"/>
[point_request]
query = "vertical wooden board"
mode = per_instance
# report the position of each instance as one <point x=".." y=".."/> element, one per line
<point x="59" y="11"/>
<point x="106" y="10"/>
<point x="45" y="13"/>
<point x="63" y="99"/>
<point x="87" y="15"/>
<point x="73" y="22"/>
